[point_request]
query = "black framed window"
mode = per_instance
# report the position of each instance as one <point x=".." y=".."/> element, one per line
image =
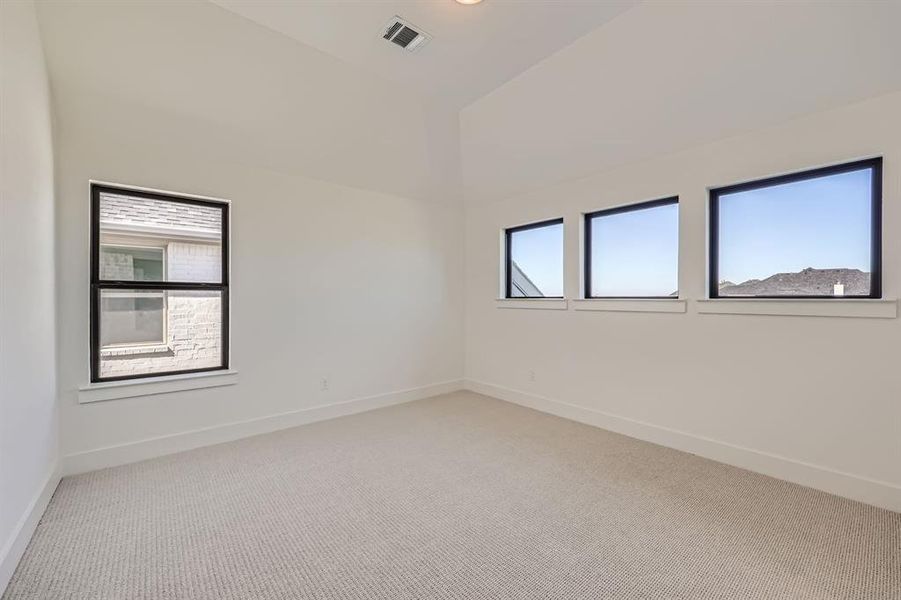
<point x="633" y="251"/>
<point x="159" y="284"/>
<point x="813" y="234"/>
<point x="534" y="260"/>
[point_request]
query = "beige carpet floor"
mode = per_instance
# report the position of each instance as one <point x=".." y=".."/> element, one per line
<point x="458" y="496"/>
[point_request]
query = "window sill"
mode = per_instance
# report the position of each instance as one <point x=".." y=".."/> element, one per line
<point x="867" y="309"/>
<point x="114" y="390"/>
<point x="135" y="350"/>
<point x="534" y="303"/>
<point x="657" y="305"/>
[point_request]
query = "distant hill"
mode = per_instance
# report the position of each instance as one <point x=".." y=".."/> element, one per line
<point x="809" y="282"/>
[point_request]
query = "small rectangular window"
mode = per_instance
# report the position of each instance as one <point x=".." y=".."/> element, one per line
<point x="633" y="251"/>
<point x="129" y="318"/>
<point x="814" y="234"/>
<point x="159" y="284"/>
<point x="132" y="264"/>
<point x="534" y="260"/>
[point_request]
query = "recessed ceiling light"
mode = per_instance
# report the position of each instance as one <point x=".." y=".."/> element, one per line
<point x="468" y="1"/>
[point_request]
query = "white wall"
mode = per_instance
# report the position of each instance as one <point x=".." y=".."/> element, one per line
<point x="820" y="391"/>
<point x="355" y="279"/>
<point x="28" y="409"/>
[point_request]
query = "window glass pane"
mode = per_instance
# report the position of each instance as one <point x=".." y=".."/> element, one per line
<point x="129" y="318"/>
<point x="132" y="264"/>
<point x="145" y="332"/>
<point x="536" y="262"/>
<point x="144" y="239"/>
<point x="635" y="253"/>
<point x="806" y="238"/>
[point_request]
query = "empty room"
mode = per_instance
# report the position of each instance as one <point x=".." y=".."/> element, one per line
<point x="450" y="299"/>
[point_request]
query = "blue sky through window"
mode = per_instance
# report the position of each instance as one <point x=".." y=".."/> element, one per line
<point x="539" y="254"/>
<point x="822" y="223"/>
<point x="636" y="253"/>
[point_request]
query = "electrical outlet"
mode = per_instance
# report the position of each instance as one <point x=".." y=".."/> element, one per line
<point x="531" y="374"/>
<point x="323" y="385"/>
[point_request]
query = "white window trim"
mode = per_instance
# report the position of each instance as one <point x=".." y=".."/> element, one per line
<point x="137" y="246"/>
<point x="654" y="305"/>
<point x="134" y="349"/>
<point x="534" y="303"/>
<point x="165" y="384"/>
<point x="854" y="308"/>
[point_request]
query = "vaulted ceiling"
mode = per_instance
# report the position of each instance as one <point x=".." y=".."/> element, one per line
<point x="668" y="75"/>
<point x="521" y="94"/>
<point x="474" y="48"/>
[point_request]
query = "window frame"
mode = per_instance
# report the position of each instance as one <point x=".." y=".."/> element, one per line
<point x="508" y="245"/>
<point x="97" y="284"/>
<point x="586" y="251"/>
<point x="874" y="164"/>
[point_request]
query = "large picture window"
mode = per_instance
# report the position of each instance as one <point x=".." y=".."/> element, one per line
<point x="534" y="260"/>
<point x="159" y="284"/>
<point x="633" y="251"/>
<point x="814" y="234"/>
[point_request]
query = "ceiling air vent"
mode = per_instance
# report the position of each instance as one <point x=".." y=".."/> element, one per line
<point x="404" y="34"/>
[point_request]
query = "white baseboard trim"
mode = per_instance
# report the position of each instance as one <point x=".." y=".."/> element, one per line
<point x="15" y="546"/>
<point x="878" y="493"/>
<point x="112" y="456"/>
